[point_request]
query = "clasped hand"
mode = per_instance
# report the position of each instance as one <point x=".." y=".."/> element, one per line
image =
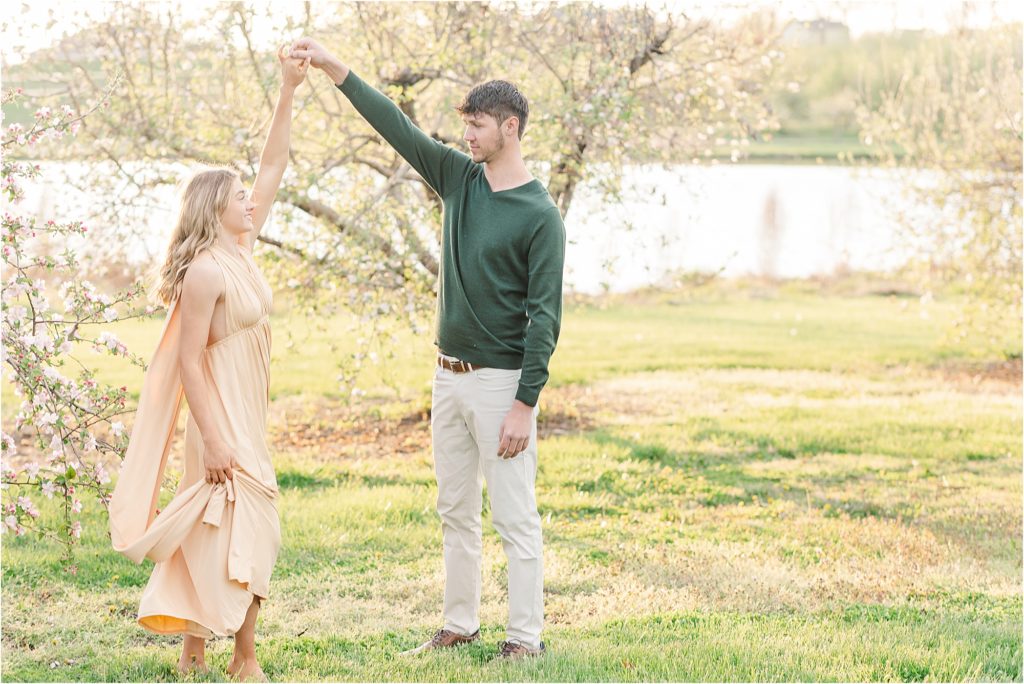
<point x="293" y="70"/>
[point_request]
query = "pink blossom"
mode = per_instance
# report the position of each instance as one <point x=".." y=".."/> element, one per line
<point x="109" y="340"/>
<point x="14" y="288"/>
<point x="16" y="314"/>
<point x="26" y="505"/>
<point x="41" y="341"/>
<point x="50" y="402"/>
<point x="54" y="375"/>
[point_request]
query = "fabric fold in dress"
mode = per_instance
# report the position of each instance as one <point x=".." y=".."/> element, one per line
<point x="214" y="545"/>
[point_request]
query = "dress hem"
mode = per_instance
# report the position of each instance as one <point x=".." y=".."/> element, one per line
<point x="209" y="632"/>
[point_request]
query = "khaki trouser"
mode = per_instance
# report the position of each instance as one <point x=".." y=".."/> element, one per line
<point x="468" y="409"/>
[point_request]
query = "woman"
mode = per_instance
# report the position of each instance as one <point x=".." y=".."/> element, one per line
<point x="216" y="542"/>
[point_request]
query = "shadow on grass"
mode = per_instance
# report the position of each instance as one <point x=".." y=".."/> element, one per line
<point x="725" y="482"/>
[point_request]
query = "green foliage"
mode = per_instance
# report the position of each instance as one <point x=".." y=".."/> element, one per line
<point x="955" y="112"/>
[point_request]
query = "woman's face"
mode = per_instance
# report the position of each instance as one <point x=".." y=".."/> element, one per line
<point x="237" y="216"/>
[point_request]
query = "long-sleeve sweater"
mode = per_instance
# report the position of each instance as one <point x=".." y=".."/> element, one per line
<point x="499" y="300"/>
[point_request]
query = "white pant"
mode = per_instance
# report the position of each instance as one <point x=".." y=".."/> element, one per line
<point x="468" y="409"/>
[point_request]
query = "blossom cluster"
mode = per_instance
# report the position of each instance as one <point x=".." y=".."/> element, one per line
<point x="69" y="430"/>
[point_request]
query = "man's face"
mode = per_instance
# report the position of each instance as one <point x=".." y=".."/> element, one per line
<point x="484" y="136"/>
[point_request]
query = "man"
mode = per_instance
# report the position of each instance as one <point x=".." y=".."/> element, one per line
<point x="498" y="317"/>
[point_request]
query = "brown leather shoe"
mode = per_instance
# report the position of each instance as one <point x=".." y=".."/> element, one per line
<point x="513" y="649"/>
<point x="443" y="638"/>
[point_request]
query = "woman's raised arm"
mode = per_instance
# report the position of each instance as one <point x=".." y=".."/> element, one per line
<point x="274" y="159"/>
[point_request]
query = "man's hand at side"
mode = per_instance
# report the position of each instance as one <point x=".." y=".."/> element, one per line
<point x="515" y="430"/>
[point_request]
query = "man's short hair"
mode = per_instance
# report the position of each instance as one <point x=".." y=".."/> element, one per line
<point x="500" y="99"/>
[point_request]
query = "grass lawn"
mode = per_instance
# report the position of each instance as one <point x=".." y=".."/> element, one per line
<point x="808" y="148"/>
<point x="733" y="487"/>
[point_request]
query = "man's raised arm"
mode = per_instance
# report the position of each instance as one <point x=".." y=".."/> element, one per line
<point x="442" y="167"/>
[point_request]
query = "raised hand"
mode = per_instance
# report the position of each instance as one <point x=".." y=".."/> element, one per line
<point x="309" y="49"/>
<point x="319" y="57"/>
<point x="293" y="70"/>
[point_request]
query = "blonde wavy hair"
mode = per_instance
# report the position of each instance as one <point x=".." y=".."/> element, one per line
<point x="203" y="200"/>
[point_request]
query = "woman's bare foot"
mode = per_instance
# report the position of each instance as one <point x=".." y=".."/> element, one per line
<point x="251" y="672"/>
<point x="189" y="663"/>
<point x="235" y="665"/>
<point x="193" y="655"/>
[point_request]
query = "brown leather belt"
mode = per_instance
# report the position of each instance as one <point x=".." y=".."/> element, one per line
<point x="457" y="366"/>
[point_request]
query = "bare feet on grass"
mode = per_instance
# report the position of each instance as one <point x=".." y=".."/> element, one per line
<point x="247" y="671"/>
<point x="193" y="656"/>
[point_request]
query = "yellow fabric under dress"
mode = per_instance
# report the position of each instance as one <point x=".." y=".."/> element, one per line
<point x="214" y="545"/>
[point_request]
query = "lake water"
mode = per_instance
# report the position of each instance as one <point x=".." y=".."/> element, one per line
<point x="773" y="220"/>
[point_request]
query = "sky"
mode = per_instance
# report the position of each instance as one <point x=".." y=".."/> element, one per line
<point x="43" y="22"/>
<point x="872" y="16"/>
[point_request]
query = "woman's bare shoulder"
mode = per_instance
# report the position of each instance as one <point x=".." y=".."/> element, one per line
<point x="204" y="274"/>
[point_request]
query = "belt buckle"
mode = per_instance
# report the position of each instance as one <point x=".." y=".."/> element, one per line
<point x="456" y="366"/>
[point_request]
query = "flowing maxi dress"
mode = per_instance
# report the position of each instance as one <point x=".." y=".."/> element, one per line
<point x="214" y="546"/>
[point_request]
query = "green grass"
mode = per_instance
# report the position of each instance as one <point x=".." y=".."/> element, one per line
<point x="723" y="500"/>
<point x="803" y="148"/>
<point x="722" y="329"/>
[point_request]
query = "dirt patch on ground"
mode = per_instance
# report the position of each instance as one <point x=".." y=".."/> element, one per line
<point x="367" y="428"/>
<point x="341" y="429"/>
<point x="362" y="429"/>
<point x="975" y="374"/>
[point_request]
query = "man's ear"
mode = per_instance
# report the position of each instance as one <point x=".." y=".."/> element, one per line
<point x="512" y="125"/>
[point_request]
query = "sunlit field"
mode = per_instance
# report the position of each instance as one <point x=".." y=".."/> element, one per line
<point x="734" y="486"/>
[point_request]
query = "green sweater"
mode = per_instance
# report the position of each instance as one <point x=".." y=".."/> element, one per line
<point x="499" y="300"/>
